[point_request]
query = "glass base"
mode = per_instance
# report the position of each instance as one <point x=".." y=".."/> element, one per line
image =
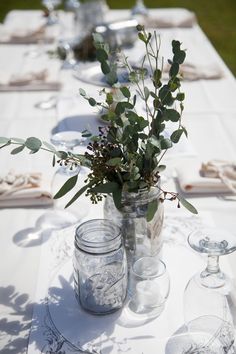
<point x="212" y="280"/>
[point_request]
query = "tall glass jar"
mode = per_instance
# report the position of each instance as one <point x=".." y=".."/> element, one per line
<point x="100" y="267"/>
<point x="141" y="237"/>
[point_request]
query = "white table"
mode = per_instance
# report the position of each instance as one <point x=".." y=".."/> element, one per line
<point x="210" y="116"/>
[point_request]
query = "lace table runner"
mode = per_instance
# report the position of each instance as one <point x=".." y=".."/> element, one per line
<point x="59" y="324"/>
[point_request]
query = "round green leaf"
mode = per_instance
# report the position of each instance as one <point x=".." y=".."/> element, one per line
<point x="33" y="144"/>
<point x="92" y="102"/>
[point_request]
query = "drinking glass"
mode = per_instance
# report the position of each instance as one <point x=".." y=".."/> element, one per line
<point x="50" y="6"/>
<point x="149" y="287"/>
<point x="61" y="217"/>
<point x="139" y="8"/>
<point x="208" y="295"/>
<point x="214" y="243"/>
<point x="204" y="335"/>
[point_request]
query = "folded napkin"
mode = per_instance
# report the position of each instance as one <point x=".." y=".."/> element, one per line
<point x="26" y="27"/>
<point x="36" y="75"/>
<point x="193" y="72"/>
<point x="215" y="176"/>
<point x="170" y="19"/>
<point x="24" y="36"/>
<point x="19" y="190"/>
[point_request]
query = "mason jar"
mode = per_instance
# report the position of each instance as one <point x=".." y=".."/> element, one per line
<point x="141" y="237"/>
<point x="100" y="266"/>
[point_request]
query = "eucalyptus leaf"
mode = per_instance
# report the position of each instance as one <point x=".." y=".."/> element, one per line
<point x="125" y="91"/>
<point x="33" y="144"/>
<point x="82" y="92"/>
<point x="49" y="146"/>
<point x="18" y="140"/>
<point x="106" y="188"/>
<point x="174" y="69"/>
<point x="172" y="115"/>
<point x="151" y="210"/>
<point x="17" y="150"/>
<point x="4" y="140"/>
<point x="101" y="55"/>
<point x="105" y="67"/>
<point x="114" y="161"/>
<point x="146" y="93"/>
<point x="67" y="186"/>
<point x="54" y="160"/>
<point x="78" y="194"/>
<point x="92" y="101"/>
<point x="117" y="195"/>
<point x="180" y="96"/>
<point x="176" y="135"/>
<point x="179" y="57"/>
<point x="166" y="144"/>
<point x="187" y="205"/>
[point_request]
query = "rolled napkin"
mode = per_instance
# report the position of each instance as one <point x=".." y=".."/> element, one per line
<point x="24" y="36"/>
<point x="28" y="189"/>
<point x="26" y="27"/>
<point x="193" y="72"/>
<point x="36" y="75"/>
<point x="215" y="176"/>
<point x="172" y="18"/>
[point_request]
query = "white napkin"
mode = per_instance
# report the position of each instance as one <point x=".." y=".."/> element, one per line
<point x="36" y="75"/>
<point x="19" y="190"/>
<point x="26" y="27"/>
<point x="192" y="72"/>
<point x="176" y="18"/>
<point x="195" y="177"/>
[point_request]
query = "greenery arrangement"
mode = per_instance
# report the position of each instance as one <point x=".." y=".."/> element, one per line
<point x="127" y="153"/>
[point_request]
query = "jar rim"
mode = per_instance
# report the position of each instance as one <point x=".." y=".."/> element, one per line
<point x="98" y="236"/>
<point x="160" y="273"/>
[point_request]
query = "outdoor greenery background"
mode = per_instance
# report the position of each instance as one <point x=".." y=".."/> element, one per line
<point x="216" y="17"/>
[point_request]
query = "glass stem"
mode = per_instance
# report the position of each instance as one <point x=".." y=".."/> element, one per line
<point x="213" y="264"/>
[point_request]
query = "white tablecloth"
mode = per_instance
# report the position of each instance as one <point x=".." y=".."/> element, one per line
<point x="210" y="116"/>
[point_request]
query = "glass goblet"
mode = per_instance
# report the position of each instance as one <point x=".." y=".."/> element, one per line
<point x="60" y="217"/>
<point x="50" y="6"/>
<point x="139" y="9"/>
<point x="208" y="293"/>
<point x="214" y="243"/>
<point x="204" y="335"/>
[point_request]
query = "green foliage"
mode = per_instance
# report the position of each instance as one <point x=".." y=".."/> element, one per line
<point x="126" y="155"/>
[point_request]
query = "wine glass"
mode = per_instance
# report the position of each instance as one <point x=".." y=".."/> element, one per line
<point x="72" y="5"/>
<point x="60" y="217"/>
<point x="214" y="243"/>
<point x="66" y="46"/>
<point x="208" y="293"/>
<point x="139" y="9"/>
<point x="50" y="6"/>
<point x="204" y="335"/>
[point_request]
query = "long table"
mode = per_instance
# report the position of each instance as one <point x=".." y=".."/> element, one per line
<point x="210" y="117"/>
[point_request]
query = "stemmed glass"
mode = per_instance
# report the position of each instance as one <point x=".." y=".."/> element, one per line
<point x="139" y="9"/>
<point x="205" y="335"/>
<point x="50" y="6"/>
<point x="214" y="243"/>
<point x="208" y="295"/>
<point x="60" y="217"/>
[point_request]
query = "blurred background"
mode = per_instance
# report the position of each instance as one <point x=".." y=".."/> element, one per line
<point x="217" y="19"/>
